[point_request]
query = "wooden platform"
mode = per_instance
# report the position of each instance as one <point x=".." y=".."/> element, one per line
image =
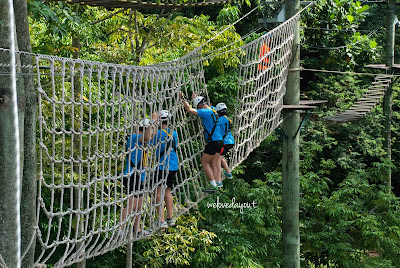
<point x="381" y="66"/>
<point x="298" y="107"/>
<point x="304" y="105"/>
<point x="307" y="102"/>
<point x="138" y="4"/>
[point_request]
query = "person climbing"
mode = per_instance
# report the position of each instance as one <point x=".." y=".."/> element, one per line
<point x="166" y="139"/>
<point x="210" y="160"/>
<point x="134" y="180"/>
<point x="263" y="56"/>
<point x="229" y="141"/>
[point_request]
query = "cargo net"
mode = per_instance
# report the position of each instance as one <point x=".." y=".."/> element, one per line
<point x="88" y="111"/>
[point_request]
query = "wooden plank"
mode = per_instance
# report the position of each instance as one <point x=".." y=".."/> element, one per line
<point x="144" y="4"/>
<point x="298" y="107"/>
<point x="381" y="66"/>
<point x="302" y="102"/>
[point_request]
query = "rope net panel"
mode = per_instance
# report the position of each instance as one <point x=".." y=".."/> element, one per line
<point x="263" y="73"/>
<point x="89" y="115"/>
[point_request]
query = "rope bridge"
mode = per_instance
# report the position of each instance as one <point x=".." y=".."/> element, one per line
<point x="88" y="109"/>
<point x="365" y="104"/>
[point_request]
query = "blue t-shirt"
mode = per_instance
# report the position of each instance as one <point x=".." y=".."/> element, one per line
<point x="209" y="118"/>
<point x="135" y="157"/>
<point x="226" y="126"/>
<point x="162" y="138"/>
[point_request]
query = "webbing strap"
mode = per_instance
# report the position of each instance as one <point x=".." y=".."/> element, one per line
<point x="167" y="144"/>
<point x="227" y="129"/>
<point x="215" y="119"/>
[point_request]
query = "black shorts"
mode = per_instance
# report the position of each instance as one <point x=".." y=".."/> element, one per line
<point x="170" y="178"/>
<point x="226" y="148"/>
<point x="132" y="185"/>
<point x="213" y="147"/>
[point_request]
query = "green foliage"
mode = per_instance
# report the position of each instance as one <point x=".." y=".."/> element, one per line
<point x="247" y="238"/>
<point x="340" y="228"/>
<point x="179" y="246"/>
<point x="331" y="38"/>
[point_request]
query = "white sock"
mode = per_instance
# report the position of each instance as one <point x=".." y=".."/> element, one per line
<point x="213" y="183"/>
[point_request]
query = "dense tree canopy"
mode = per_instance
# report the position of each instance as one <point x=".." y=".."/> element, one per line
<point x="348" y="218"/>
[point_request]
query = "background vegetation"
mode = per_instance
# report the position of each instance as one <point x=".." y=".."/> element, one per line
<point x="348" y="219"/>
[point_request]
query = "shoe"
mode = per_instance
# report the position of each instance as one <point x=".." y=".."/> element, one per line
<point x="160" y="225"/>
<point x="228" y="175"/>
<point x="171" y="222"/>
<point x="144" y="233"/>
<point x="219" y="184"/>
<point x="210" y="189"/>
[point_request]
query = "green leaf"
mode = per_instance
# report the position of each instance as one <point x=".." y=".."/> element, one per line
<point x="350" y="18"/>
<point x="372" y="44"/>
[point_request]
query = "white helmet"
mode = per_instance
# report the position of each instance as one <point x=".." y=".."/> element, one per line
<point x="197" y="101"/>
<point x="164" y="115"/>
<point x="221" y="106"/>
<point x="144" y="123"/>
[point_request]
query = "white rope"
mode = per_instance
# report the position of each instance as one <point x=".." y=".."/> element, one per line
<point x="88" y="115"/>
<point x="16" y="131"/>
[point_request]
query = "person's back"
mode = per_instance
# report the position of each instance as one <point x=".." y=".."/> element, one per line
<point x="209" y="119"/>
<point x="226" y="127"/>
<point x="136" y="156"/>
<point x="167" y="139"/>
<point x="167" y="142"/>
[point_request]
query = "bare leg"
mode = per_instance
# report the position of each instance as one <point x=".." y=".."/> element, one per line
<point x="126" y="210"/>
<point x="168" y="202"/>
<point x="206" y="161"/>
<point x="133" y="206"/>
<point x="216" y="167"/>
<point x="137" y="207"/>
<point x="224" y="164"/>
<point x="159" y="203"/>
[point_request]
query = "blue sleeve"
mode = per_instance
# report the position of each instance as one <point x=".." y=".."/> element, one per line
<point x="132" y="141"/>
<point x="176" y="138"/>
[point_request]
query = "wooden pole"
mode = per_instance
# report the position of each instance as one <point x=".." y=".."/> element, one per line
<point x="129" y="255"/>
<point x="387" y="100"/>
<point x="29" y="181"/>
<point x="290" y="155"/>
<point x="9" y="147"/>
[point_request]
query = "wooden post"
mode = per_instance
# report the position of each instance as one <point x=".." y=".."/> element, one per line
<point x="290" y="154"/>
<point x="129" y="255"/>
<point x="29" y="181"/>
<point x="387" y="100"/>
<point x="10" y="236"/>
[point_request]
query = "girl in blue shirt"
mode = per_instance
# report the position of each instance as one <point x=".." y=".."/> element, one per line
<point x="229" y="142"/>
<point x="168" y="167"/>
<point x="210" y="161"/>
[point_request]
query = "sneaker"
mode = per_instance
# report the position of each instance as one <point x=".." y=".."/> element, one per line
<point x="219" y="184"/>
<point x="144" y="233"/>
<point x="160" y="225"/>
<point x="228" y="175"/>
<point x="210" y="189"/>
<point x="171" y="222"/>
